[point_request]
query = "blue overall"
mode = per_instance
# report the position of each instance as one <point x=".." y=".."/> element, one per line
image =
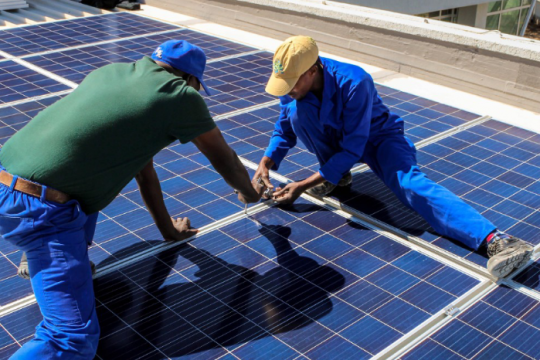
<point x="55" y="238"/>
<point x="353" y="125"/>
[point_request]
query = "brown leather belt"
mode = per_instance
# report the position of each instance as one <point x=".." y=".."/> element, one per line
<point x="33" y="189"/>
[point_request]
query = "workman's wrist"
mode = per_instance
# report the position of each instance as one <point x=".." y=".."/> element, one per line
<point x="304" y="185"/>
<point x="168" y="231"/>
<point x="267" y="162"/>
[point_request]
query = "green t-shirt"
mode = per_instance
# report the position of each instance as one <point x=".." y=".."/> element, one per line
<point x="94" y="141"/>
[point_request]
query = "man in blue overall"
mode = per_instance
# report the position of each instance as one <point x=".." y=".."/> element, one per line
<point x="73" y="159"/>
<point x="334" y="109"/>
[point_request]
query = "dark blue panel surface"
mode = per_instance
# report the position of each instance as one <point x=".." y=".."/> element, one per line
<point x="288" y="285"/>
<point x="530" y="276"/>
<point x="75" y="64"/>
<point x="423" y="118"/>
<point x="18" y="82"/>
<point x="491" y="166"/>
<point x="503" y="325"/>
<point x="191" y="188"/>
<point x="238" y="83"/>
<point x="63" y="34"/>
<point x="251" y="134"/>
<point x="13" y="118"/>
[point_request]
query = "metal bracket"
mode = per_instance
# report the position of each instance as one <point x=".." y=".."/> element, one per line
<point x="452" y="311"/>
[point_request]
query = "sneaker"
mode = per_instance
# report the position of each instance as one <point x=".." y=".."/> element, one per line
<point x="25" y="274"/>
<point x="327" y="187"/>
<point x="507" y="253"/>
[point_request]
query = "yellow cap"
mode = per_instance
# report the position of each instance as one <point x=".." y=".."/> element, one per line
<point x="293" y="58"/>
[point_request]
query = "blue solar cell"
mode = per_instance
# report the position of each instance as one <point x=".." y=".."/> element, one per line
<point x="339" y="348"/>
<point x="371" y="334"/>
<point x="530" y="276"/>
<point x="423" y="118"/>
<point x="18" y="82"/>
<point x="497" y="327"/>
<point x="62" y="34"/>
<point x="75" y="64"/>
<point x="238" y="82"/>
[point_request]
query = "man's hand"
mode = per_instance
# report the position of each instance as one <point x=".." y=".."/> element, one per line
<point x="182" y="230"/>
<point x="259" y="188"/>
<point x="263" y="173"/>
<point x="289" y="193"/>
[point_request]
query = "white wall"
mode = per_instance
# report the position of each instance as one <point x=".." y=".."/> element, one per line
<point x="413" y="7"/>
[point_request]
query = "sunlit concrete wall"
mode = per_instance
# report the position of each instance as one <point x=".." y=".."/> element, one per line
<point x="413" y="7"/>
<point x="499" y="67"/>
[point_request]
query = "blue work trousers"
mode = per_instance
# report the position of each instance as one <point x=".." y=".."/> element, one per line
<point x="393" y="160"/>
<point x="55" y="238"/>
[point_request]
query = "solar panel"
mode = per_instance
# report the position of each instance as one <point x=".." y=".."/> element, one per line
<point x="305" y="282"/>
<point x="14" y="117"/>
<point x="48" y="36"/>
<point x="530" y="276"/>
<point x="238" y="82"/>
<point x="190" y="189"/>
<point x="503" y="325"/>
<point x="492" y="166"/>
<point x="250" y="134"/>
<point x="75" y="64"/>
<point x="423" y="118"/>
<point x="18" y="82"/>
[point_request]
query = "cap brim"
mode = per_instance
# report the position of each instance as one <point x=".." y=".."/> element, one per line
<point x="280" y="87"/>
<point x="206" y="89"/>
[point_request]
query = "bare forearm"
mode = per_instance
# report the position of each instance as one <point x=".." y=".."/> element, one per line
<point x="311" y="181"/>
<point x="236" y="175"/>
<point x="153" y="199"/>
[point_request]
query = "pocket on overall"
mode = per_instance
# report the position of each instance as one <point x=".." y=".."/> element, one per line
<point x="13" y="228"/>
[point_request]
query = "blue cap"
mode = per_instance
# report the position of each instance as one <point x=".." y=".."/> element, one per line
<point x="183" y="56"/>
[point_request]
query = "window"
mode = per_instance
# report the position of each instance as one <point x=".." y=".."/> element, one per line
<point x="449" y="15"/>
<point x="507" y="16"/>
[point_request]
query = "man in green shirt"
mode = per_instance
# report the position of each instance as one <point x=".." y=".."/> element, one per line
<point x="74" y="158"/>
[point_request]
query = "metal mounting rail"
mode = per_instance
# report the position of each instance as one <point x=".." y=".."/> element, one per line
<point x="437" y="321"/>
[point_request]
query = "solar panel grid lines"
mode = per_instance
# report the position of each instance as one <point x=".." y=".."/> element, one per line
<point x="38" y="38"/>
<point x="243" y="257"/>
<point x="15" y="115"/>
<point x="436" y="322"/>
<point x="98" y="275"/>
<point x="238" y="82"/>
<point x="18" y="82"/>
<point x="423" y="118"/>
<point x="251" y="133"/>
<point x="504" y="324"/>
<point x="75" y="64"/>
<point x="529" y="278"/>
